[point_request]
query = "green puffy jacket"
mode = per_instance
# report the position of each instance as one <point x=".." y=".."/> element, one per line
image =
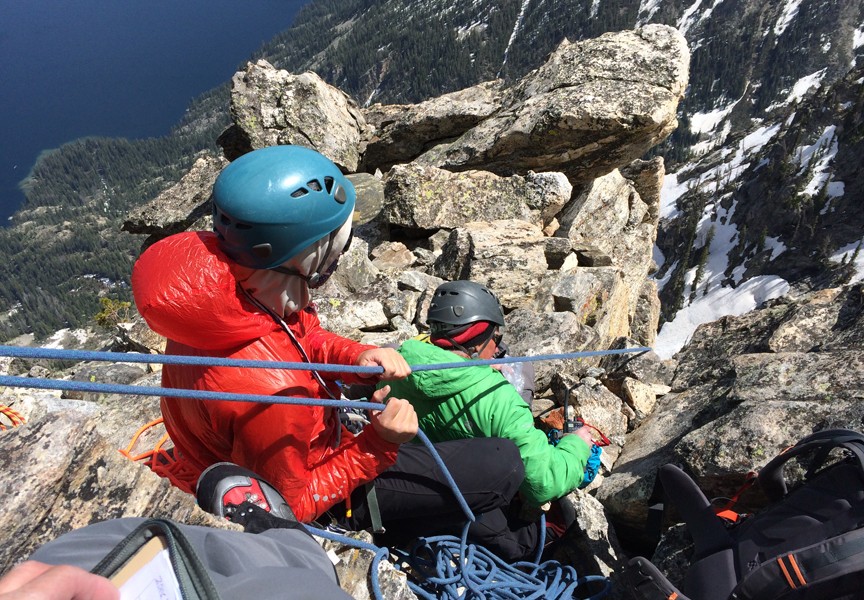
<point x="478" y="402"/>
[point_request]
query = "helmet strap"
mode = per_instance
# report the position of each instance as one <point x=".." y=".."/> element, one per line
<point x="459" y="347"/>
<point x="480" y="350"/>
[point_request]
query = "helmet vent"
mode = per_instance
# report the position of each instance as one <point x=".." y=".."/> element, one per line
<point x="328" y="183"/>
<point x="224" y="220"/>
<point x="299" y="192"/>
<point x="340" y="196"/>
<point x="314" y="184"/>
<point x="262" y="250"/>
<point x="243" y="226"/>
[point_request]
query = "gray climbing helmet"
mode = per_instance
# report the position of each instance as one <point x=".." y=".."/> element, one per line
<point x="456" y="305"/>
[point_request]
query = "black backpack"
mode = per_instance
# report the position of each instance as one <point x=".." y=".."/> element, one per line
<point x="807" y="543"/>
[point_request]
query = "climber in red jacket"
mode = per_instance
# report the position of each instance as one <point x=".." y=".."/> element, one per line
<point x="282" y="218"/>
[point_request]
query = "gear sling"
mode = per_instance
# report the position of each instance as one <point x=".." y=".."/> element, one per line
<point x="808" y="543"/>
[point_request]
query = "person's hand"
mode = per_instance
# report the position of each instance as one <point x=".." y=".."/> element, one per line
<point x="33" y="580"/>
<point x="397" y="423"/>
<point x="585" y="434"/>
<point x="394" y="365"/>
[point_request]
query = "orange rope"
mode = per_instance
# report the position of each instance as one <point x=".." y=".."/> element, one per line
<point x="13" y="415"/>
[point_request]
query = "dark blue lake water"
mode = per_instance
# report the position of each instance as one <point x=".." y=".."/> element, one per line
<point x="118" y="68"/>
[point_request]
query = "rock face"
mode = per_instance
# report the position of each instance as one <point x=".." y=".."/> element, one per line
<point x="744" y="389"/>
<point x="594" y="106"/>
<point x="534" y="190"/>
<point x="271" y="107"/>
<point x="63" y="471"/>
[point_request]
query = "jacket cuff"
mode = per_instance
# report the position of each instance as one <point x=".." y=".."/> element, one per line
<point x="352" y="360"/>
<point x="378" y="445"/>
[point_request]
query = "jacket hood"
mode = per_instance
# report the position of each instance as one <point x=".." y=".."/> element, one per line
<point x="439" y="384"/>
<point x="186" y="289"/>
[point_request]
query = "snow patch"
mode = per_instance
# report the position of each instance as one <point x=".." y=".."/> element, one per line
<point x="705" y="122"/>
<point x="721" y="302"/>
<point x="661" y="283"/>
<point x="706" y="146"/>
<point x="823" y="150"/>
<point x="754" y="142"/>
<point x="670" y="191"/>
<point x="647" y="8"/>
<point x="658" y="257"/>
<point x="518" y="25"/>
<point x="710" y="299"/>
<point x="712" y="180"/>
<point x="799" y="90"/>
<point x="776" y="246"/>
<point x="804" y="85"/>
<point x="790" y="11"/>
<point x="717" y="230"/>
<point x="858" y="38"/>
<point x="835" y="190"/>
<point x="56" y="341"/>
<point x="464" y="31"/>
<point x="687" y="19"/>
<point x="846" y="253"/>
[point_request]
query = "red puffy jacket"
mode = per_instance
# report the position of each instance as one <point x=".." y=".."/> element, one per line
<point x="186" y="289"/>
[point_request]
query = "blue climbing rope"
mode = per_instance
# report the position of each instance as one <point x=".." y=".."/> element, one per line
<point x="174" y="359"/>
<point x="447" y="566"/>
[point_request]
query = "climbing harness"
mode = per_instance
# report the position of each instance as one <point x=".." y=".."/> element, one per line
<point x="447" y="566"/>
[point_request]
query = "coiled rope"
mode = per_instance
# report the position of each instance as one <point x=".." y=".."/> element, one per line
<point x="450" y="567"/>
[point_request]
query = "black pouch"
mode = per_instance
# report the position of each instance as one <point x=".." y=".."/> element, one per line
<point x="192" y="577"/>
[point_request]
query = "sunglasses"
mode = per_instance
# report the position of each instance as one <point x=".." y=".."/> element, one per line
<point x="316" y="280"/>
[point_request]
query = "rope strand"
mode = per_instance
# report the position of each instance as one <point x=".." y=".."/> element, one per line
<point x="454" y="568"/>
<point x="174" y="359"/>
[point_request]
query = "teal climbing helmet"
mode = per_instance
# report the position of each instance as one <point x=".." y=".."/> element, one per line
<point x="270" y="204"/>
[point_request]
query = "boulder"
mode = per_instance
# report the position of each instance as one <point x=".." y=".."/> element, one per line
<point x="597" y="296"/>
<point x="506" y="256"/>
<point x="183" y="206"/>
<point x="429" y="198"/>
<point x="271" y="106"/>
<point x="400" y="133"/>
<point x="594" y="106"/>
<point x="528" y="334"/>
<point x="63" y="471"/>
<point x="610" y="217"/>
<point x="737" y="403"/>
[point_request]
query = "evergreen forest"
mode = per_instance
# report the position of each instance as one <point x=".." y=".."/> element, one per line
<point x="64" y="249"/>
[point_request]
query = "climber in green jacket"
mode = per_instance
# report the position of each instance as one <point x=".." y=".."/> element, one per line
<point x="464" y="320"/>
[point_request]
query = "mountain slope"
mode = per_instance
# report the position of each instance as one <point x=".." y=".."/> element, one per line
<point x="751" y="62"/>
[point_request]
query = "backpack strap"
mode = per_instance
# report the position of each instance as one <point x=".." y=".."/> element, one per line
<point x="707" y="529"/>
<point x="821" y="564"/>
<point x="646" y="582"/>
<point x="771" y="478"/>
